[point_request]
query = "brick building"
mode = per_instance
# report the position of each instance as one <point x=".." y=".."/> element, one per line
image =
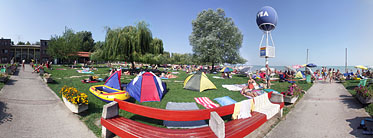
<point x="9" y="51"/>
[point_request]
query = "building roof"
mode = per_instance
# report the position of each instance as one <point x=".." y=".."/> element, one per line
<point x="83" y="54"/>
<point x="25" y="45"/>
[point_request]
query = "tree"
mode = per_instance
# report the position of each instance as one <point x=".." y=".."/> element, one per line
<point x="65" y="46"/>
<point x="215" y="38"/>
<point x="132" y="44"/>
<point x="28" y="43"/>
<point x="20" y="43"/>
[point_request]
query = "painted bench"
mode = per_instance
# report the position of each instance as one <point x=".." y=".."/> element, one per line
<point x="124" y="127"/>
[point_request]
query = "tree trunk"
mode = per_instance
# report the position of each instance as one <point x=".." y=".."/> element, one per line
<point x="133" y="65"/>
<point x="213" y="66"/>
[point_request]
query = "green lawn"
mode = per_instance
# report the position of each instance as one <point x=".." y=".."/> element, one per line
<point x="350" y="85"/>
<point x="175" y="93"/>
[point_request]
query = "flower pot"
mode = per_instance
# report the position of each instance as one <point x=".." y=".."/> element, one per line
<point x="74" y="107"/>
<point x="289" y="99"/>
<point x="364" y="100"/>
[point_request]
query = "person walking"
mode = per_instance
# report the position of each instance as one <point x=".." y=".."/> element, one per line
<point x="23" y="65"/>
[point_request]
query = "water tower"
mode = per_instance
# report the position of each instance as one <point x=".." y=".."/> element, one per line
<point x="266" y="19"/>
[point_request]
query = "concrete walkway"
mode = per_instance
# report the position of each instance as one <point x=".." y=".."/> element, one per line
<point x="327" y="110"/>
<point x="28" y="108"/>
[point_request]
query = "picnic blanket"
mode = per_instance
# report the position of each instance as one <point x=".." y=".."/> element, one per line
<point x="263" y="105"/>
<point x="226" y="100"/>
<point x="234" y="87"/>
<point x="89" y="81"/>
<point x="217" y="77"/>
<point x="183" y="124"/>
<point x="83" y="71"/>
<point x="206" y="102"/>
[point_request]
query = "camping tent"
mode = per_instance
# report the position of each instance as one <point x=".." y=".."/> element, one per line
<point x="299" y="75"/>
<point x="198" y="82"/>
<point x="146" y="87"/>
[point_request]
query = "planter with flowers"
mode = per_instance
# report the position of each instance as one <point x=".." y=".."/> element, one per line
<point x="364" y="94"/>
<point x="74" y="100"/>
<point x="292" y="94"/>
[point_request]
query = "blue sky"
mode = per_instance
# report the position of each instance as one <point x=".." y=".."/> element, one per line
<point x="325" y="27"/>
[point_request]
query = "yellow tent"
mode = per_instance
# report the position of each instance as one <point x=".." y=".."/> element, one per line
<point x="198" y="82"/>
<point x="299" y="75"/>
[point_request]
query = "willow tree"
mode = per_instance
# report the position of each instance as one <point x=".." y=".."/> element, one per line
<point x="215" y="38"/>
<point x="131" y="43"/>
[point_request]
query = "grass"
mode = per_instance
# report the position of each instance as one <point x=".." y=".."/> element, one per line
<point x="350" y="85"/>
<point x="175" y="93"/>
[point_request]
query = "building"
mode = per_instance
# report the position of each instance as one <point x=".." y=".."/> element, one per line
<point x="17" y="53"/>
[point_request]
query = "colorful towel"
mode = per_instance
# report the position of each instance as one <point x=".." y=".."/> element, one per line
<point x="226" y="100"/>
<point x="206" y="102"/>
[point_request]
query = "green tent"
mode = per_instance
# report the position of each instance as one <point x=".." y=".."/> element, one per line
<point x="198" y="82"/>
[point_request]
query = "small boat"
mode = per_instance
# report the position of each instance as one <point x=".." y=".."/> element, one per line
<point x="110" y="90"/>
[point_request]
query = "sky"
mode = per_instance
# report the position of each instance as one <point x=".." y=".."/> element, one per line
<point x="325" y="27"/>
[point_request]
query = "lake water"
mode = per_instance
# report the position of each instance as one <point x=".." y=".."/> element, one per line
<point x="283" y="68"/>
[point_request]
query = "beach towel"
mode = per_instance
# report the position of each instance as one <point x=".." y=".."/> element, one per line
<point x="271" y="90"/>
<point x="82" y="71"/>
<point x="234" y="87"/>
<point x="217" y="77"/>
<point x="226" y="100"/>
<point x="206" y="102"/>
<point x="263" y="105"/>
<point x="245" y="110"/>
<point x="183" y="124"/>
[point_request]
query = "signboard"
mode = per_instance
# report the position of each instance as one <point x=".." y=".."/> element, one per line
<point x="267" y="52"/>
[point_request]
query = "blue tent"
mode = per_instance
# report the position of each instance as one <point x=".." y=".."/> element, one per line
<point x="146" y="87"/>
<point x="114" y="80"/>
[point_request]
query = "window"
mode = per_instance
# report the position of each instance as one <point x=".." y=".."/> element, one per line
<point x="4" y="59"/>
<point x="5" y="51"/>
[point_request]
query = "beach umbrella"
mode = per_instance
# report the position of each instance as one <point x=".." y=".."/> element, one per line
<point x="311" y="65"/>
<point x="290" y="68"/>
<point x="245" y="70"/>
<point x="361" y="67"/>
<point x="226" y="69"/>
<point x="297" y="66"/>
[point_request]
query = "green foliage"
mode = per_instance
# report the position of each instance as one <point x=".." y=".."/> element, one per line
<point x="369" y="109"/>
<point x="131" y="43"/>
<point x="64" y="47"/>
<point x="28" y="43"/>
<point x="20" y="43"/>
<point x="215" y="38"/>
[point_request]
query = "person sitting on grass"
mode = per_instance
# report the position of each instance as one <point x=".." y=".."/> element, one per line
<point x="91" y="78"/>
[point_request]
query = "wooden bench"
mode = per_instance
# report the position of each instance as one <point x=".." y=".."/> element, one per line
<point x="124" y="127"/>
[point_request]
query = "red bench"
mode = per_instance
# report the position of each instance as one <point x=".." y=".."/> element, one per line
<point x="124" y="127"/>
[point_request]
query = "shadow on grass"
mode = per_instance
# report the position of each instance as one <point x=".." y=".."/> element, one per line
<point x="351" y="102"/>
<point x="4" y="116"/>
<point x="354" y="123"/>
<point x="91" y="109"/>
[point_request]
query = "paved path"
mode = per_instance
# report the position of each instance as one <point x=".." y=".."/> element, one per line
<point x="29" y="109"/>
<point x="327" y="110"/>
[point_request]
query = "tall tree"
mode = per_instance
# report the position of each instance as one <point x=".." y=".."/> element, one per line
<point x="64" y="46"/>
<point x="28" y="43"/>
<point x="132" y="44"/>
<point x="215" y="38"/>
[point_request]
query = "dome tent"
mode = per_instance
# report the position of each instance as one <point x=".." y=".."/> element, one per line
<point x="198" y="82"/>
<point x="146" y="87"/>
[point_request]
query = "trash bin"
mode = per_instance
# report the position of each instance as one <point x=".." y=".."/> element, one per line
<point x="308" y="79"/>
